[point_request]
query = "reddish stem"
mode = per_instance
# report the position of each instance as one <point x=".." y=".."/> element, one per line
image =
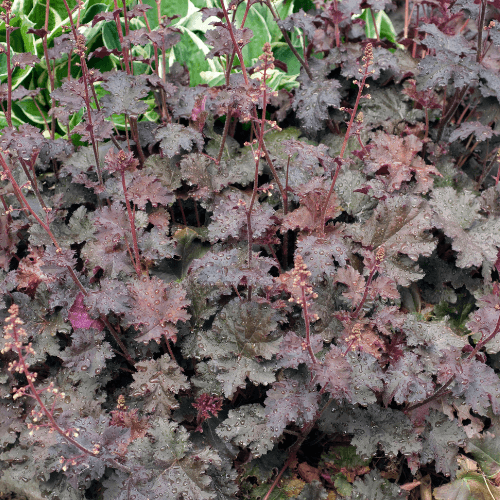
<point x="32" y="180"/>
<point x="74" y="277"/>
<point x="235" y="43"/>
<point x="30" y="377"/>
<point x="83" y="64"/>
<point x="224" y="135"/>
<point x="302" y="61"/>
<point x="47" y="128"/>
<point x="498" y="172"/>
<point x="355" y="314"/>
<point x="120" y="36"/>
<point x="426" y="132"/>
<point x="285" y="211"/>
<point x="414" y="49"/>
<point x="254" y="112"/>
<point x="480" y="26"/>
<point x="308" y="326"/>
<point x="257" y="161"/>
<point x="407" y="22"/>
<point x="366" y="73"/>
<point x="8" y="28"/>
<point x="181" y="207"/>
<point x="375" y="24"/>
<point x="471" y="355"/>
<point x="276" y="481"/>
<point x="197" y="215"/>
<point x="455" y="102"/>
<point x="49" y="69"/>
<point x="306" y="429"/>
<point x="135" y="135"/>
<point x="137" y="261"/>
<point x="336" y="26"/>
<point x="164" y="112"/>
<point x="125" y="18"/>
<point x="461" y="117"/>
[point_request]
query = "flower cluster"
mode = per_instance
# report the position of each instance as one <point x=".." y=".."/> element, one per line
<point x="298" y="284"/>
<point x="208" y="405"/>
<point x="121" y="161"/>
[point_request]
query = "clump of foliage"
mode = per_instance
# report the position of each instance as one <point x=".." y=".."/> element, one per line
<point x="239" y="262"/>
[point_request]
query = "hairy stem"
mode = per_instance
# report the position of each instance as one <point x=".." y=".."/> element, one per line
<point x="120" y="36"/>
<point x="375" y="25"/>
<point x="302" y="62"/>
<point x="47" y="128"/>
<point x="455" y="102"/>
<point x="8" y="30"/>
<point x="254" y="195"/>
<point x="47" y="229"/>
<point x="25" y="203"/>
<point x="235" y="43"/>
<point x="358" y="309"/>
<point x="135" y="135"/>
<point x="254" y="111"/>
<point x="480" y="27"/>
<point x="230" y="59"/>
<point x="260" y="131"/>
<point x="307" y="321"/>
<point x="368" y="60"/>
<point x="285" y="211"/>
<point x="49" y="68"/>
<point x="30" y="377"/>
<point x="498" y="172"/>
<point x="407" y="2"/>
<point x="163" y="102"/>
<point x="53" y="424"/>
<point x="137" y="260"/>
<point x="224" y="135"/>
<point x="33" y="181"/>
<point x="336" y="26"/>
<point x="424" y="149"/>
<point x="79" y="40"/>
<point x="183" y="214"/>
<point x="125" y="18"/>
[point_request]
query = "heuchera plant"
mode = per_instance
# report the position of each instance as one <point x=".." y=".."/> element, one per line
<point x="274" y="286"/>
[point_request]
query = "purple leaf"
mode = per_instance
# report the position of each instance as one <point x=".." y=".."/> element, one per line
<point x="80" y="318"/>
<point x="157" y="308"/>
<point x="480" y="131"/>
<point x="220" y="39"/>
<point x="290" y="401"/>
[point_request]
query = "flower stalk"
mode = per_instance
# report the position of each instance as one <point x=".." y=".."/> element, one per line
<point x="368" y="60"/>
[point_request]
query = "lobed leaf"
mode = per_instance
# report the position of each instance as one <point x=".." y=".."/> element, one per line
<point x="157" y="307"/>
<point x="247" y="427"/>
